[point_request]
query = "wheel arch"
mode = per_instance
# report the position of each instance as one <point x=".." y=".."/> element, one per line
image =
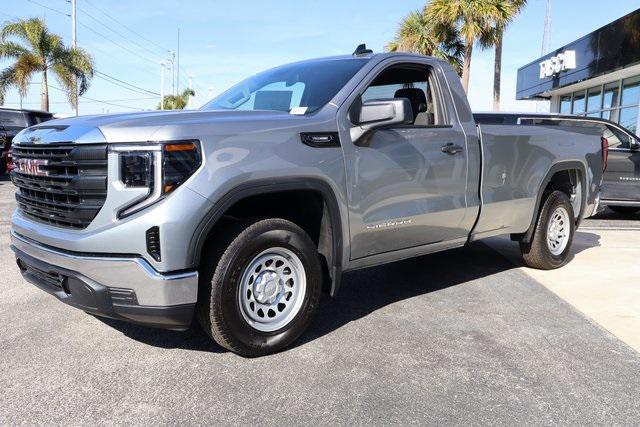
<point x="554" y="171"/>
<point x="331" y="227"/>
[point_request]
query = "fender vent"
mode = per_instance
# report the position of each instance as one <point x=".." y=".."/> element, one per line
<point x="153" y="243"/>
<point x="320" y="139"/>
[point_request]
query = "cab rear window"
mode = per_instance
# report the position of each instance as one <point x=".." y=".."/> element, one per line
<point x="13" y="118"/>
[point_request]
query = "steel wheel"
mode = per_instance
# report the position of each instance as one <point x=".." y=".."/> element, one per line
<point x="558" y="231"/>
<point x="272" y="289"/>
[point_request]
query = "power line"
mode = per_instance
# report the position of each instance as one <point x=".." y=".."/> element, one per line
<point x="49" y="8"/>
<point x="129" y="39"/>
<point x="98" y="100"/>
<point x="10" y="16"/>
<point x="125" y="26"/>
<point x="137" y="54"/>
<point x="133" y="87"/>
<point x="135" y="65"/>
<point x="129" y="86"/>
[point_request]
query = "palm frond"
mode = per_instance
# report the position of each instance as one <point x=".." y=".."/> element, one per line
<point x="419" y="34"/>
<point x="35" y="49"/>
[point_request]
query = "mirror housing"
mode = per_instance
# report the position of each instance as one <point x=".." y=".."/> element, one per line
<point x="378" y="113"/>
<point x="634" y="144"/>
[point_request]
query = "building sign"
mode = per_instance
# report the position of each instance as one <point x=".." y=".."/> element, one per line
<point x="561" y="62"/>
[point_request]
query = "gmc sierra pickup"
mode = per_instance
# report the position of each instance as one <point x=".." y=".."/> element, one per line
<point x="243" y="212"/>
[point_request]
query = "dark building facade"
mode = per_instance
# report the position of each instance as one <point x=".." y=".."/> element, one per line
<point x="597" y="75"/>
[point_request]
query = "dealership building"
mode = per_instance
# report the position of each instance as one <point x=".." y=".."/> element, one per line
<point x="597" y="75"/>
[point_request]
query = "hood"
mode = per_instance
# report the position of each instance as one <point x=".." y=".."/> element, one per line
<point x="135" y="127"/>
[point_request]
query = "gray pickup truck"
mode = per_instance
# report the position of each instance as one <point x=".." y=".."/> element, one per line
<point x="242" y="213"/>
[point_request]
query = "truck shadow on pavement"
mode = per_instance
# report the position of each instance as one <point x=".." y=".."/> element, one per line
<point x="362" y="292"/>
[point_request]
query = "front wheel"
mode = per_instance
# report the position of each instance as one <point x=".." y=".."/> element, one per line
<point x="551" y="241"/>
<point x="264" y="288"/>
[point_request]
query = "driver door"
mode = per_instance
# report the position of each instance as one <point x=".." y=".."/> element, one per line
<point x="405" y="190"/>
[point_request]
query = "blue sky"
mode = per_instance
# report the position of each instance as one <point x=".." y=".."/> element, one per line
<point x="223" y="42"/>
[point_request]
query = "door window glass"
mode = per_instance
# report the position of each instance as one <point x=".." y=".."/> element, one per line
<point x="616" y="138"/>
<point x="409" y="81"/>
<point x="629" y="118"/>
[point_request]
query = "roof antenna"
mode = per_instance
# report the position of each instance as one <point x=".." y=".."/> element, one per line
<point x="362" y="50"/>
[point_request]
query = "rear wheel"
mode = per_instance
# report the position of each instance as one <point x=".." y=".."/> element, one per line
<point x="627" y="210"/>
<point x="260" y="292"/>
<point x="551" y="241"/>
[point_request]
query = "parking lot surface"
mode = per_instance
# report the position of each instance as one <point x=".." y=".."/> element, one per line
<point x="461" y="337"/>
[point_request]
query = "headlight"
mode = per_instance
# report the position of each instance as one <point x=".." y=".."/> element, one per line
<point x="159" y="168"/>
<point x="136" y="169"/>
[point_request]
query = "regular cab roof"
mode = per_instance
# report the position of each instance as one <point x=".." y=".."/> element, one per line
<point x="24" y="110"/>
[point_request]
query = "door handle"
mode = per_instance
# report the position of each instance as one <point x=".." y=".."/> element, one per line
<point x="451" y="148"/>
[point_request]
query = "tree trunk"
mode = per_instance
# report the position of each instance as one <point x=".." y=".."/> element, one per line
<point x="44" y="100"/>
<point x="497" y="71"/>
<point x="466" y="66"/>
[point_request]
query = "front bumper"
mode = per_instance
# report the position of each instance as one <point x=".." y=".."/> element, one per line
<point x="120" y="287"/>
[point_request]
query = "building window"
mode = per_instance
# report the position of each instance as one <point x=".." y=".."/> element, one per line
<point x="594" y="101"/>
<point x="565" y="104"/>
<point x="578" y="103"/>
<point x="610" y="101"/>
<point x="629" y="102"/>
<point x="616" y="101"/>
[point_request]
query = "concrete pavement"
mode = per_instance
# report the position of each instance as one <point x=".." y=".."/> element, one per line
<point x="602" y="280"/>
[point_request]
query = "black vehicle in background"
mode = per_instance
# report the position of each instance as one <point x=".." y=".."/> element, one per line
<point x="621" y="185"/>
<point x="13" y="121"/>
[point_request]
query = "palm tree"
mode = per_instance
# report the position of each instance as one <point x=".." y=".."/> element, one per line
<point x="176" y="102"/>
<point x="472" y="18"/>
<point x="36" y="50"/>
<point x="417" y="34"/>
<point x="495" y="38"/>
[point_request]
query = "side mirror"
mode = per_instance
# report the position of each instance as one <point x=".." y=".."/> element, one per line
<point x="378" y="113"/>
<point x="634" y="144"/>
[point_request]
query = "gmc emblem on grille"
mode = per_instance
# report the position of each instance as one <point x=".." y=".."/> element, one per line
<point x="32" y="167"/>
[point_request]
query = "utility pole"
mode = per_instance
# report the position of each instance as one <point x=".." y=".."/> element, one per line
<point x="74" y="44"/>
<point x="178" y="65"/>
<point x="162" y="85"/>
<point x="190" y="88"/>
<point x="172" y="61"/>
<point x="546" y="36"/>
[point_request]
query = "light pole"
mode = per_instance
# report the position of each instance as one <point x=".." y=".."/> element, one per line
<point x="547" y="29"/>
<point x="172" y="61"/>
<point x="190" y="88"/>
<point x="74" y="45"/>
<point x="162" y="85"/>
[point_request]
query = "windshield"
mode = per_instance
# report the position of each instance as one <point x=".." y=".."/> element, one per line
<point x="296" y="88"/>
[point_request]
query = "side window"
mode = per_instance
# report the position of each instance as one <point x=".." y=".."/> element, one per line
<point x="37" y="119"/>
<point x="616" y="138"/>
<point x="411" y="81"/>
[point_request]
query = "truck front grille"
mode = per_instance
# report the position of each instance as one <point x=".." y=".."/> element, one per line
<point x="63" y="185"/>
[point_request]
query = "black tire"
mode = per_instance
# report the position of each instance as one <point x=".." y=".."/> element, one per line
<point x="537" y="253"/>
<point x="625" y="210"/>
<point x="218" y="309"/>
